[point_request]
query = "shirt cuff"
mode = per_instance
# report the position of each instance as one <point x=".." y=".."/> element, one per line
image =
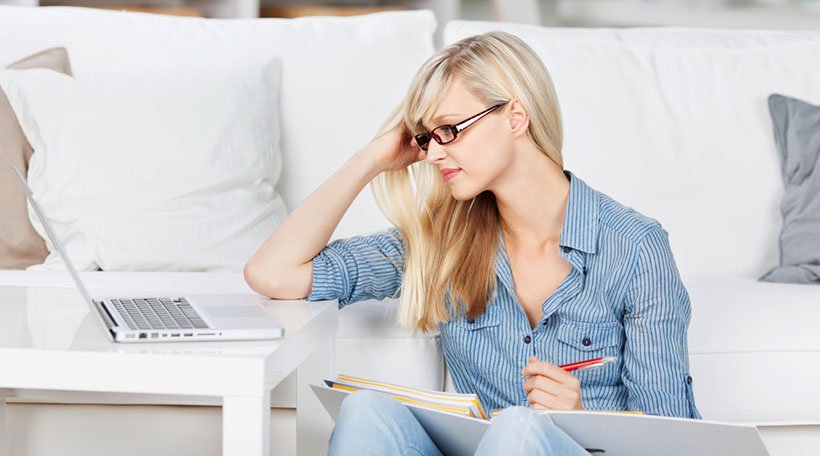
<point x="330" y="280"/>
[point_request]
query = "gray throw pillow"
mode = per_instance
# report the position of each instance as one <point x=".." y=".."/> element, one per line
<point x="797" y="135"/>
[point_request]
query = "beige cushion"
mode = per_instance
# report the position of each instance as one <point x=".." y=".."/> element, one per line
<point x="20" y="245"/>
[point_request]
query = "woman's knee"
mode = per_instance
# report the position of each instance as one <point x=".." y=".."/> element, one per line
<point x="359" y="412"/>
<point x="364" y="404"/>
<point x="367" y="399"/>
<point x="522" y="431"/>
<point x="375" y="423"/>
<point x="514" y="417"/>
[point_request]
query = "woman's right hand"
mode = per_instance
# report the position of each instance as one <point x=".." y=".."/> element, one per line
<point x="396" y="149"/>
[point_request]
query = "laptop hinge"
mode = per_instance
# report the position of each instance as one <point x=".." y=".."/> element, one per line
<point x="109" y="318"/>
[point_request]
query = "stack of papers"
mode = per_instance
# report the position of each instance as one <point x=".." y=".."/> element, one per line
<point x="460" y="404"/>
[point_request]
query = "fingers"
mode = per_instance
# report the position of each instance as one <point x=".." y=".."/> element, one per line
<point x="549" y="370"/>
<point x="540" y="400"/>
<point x="551" y="395"/>
<point x="550" y="387"/>
<point x="544" y="384"/>
<point x="539" y="386"/>
<point x="414" y="145"/>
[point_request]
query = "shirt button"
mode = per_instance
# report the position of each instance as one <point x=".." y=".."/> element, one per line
<point x="527" y="339"/>
<point x="689" y="379"/>
<point x="566" y="249"/>
<point x="587" y="341"/>
<point x="546" y="320"/>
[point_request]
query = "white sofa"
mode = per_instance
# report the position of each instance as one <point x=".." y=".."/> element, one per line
<point x="657" y="118"/>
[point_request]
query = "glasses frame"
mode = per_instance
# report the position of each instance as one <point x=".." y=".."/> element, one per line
<point x="423" y="139"/>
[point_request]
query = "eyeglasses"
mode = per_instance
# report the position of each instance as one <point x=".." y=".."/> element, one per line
<point x="448" y="133"/>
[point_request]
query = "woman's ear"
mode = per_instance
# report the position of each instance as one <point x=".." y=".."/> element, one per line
<point x="519" y="119"/>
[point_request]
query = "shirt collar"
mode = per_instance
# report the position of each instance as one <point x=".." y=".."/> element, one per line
<point x="580" y="230"/>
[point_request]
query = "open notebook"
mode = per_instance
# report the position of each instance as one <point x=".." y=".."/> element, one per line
<point x="460" y="404"/>
<point x="456" y="422"/>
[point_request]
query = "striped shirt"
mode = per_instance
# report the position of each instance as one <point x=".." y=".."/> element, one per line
<point x="623" y="297"/>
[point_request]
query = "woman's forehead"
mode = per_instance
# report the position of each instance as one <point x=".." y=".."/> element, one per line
<point x="455" y="103"/>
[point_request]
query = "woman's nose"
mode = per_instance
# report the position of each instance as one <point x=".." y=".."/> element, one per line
<point x="435" y="152"/>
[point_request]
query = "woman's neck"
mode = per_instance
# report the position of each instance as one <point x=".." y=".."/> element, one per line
<point x="532" y="201"/>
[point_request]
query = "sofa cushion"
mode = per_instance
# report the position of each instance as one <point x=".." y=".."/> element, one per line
<point x="754" y="349"/>
<point x="20" y="245"/>
<point x="342" y="75"/>
<point x="740" y="314"/>
<point x="673" y="122"/>
<point x="153" y="170"/>
<point x="797" y="133"/>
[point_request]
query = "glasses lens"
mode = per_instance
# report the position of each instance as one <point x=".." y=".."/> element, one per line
<point x="423" y="141"/>
<point x="444" y="134"/>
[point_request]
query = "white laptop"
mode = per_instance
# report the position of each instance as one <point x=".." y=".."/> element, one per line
<point x="170" y="318"/>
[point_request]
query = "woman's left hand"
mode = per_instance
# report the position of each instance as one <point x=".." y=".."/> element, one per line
<point x="551" y="388"/>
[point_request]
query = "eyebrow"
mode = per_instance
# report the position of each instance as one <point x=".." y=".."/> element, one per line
<point x="442" y="117"/>
<point x="436" y="120"/>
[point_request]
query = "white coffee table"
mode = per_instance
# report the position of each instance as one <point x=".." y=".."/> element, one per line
<point x="51" y="344"/>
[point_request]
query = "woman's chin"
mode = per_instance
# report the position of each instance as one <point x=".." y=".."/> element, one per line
<point x="462" y="195"/>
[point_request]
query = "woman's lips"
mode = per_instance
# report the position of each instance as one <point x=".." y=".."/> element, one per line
<point x="449" y="173"/>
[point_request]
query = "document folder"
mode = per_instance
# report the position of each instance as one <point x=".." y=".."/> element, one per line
<point x="601" y="433"/>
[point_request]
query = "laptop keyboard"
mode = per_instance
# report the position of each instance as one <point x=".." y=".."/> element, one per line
<point x="158" y="313"/>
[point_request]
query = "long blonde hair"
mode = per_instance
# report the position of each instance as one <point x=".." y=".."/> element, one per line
<point x="451" y="245"/>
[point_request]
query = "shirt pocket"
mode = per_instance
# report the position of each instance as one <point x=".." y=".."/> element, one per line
<point x="579" y="341"/>
<point x="476" y="343"/>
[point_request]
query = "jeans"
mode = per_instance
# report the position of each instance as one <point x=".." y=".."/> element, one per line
<point x="372" y="423"/>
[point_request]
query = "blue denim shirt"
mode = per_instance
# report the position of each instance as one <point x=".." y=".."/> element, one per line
<point x="623" y="297"/>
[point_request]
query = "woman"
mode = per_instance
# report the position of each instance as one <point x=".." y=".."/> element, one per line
<point x="519" y="264"/>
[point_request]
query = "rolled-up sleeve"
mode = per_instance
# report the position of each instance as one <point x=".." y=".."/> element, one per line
<point x="359" y="268"/>
<point x="656" y="320"/>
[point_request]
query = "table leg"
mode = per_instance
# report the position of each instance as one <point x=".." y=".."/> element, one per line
<point x="313" y="424"/>
<point x="246" y="425"/>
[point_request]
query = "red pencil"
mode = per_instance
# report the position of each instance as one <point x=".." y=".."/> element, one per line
<point x="588" y="364"/>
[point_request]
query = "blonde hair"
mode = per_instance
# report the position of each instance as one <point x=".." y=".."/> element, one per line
<point x="441" y="233"/>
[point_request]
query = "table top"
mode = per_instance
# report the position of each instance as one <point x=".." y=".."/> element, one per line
<point x="50" y="339"/>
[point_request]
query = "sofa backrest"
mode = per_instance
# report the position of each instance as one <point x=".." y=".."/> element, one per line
<point x="674" y="123"/>
<point x="671" y="121"/>
<point x="341" y="76"/>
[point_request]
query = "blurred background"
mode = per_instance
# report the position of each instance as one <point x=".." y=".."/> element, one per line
<point x="760" y="14"/>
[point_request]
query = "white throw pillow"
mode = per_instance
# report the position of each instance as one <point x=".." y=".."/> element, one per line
<point x="341" y="75"/>
<point x="170" y="170"/>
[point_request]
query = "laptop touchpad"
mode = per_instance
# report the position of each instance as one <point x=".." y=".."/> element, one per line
<point x="235" y="311"/>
